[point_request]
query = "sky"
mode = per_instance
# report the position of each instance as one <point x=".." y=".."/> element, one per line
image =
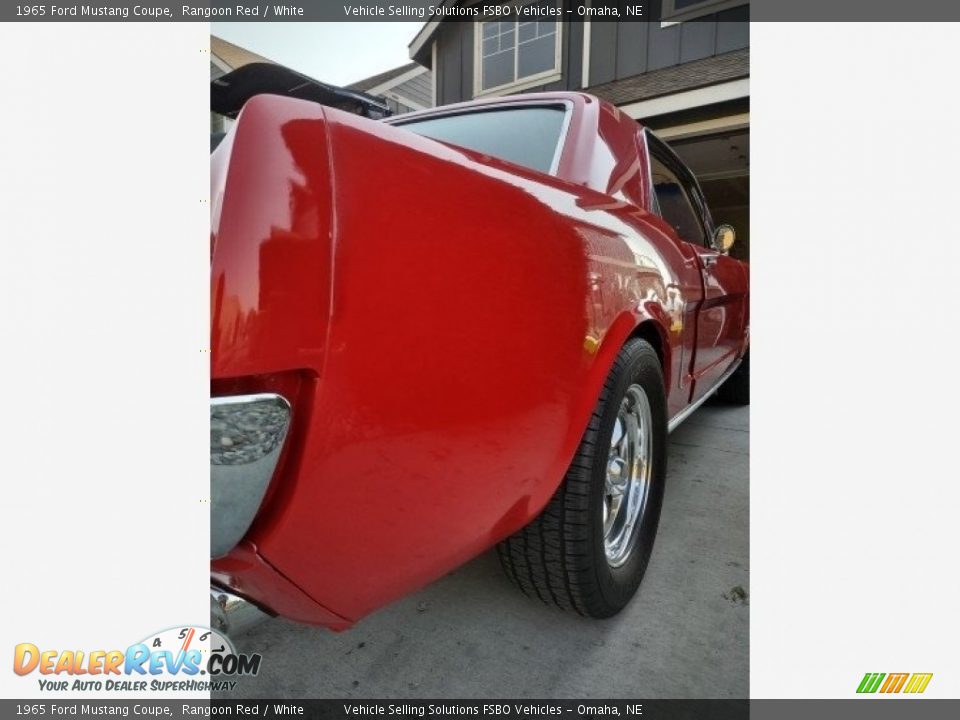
<point x="326" y="51"/>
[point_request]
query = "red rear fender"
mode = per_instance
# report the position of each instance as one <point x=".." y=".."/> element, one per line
<point x="271" y="240"/>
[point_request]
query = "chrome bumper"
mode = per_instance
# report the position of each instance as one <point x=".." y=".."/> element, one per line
<point x="232" y="615"/>
<point x="246" y="437"/>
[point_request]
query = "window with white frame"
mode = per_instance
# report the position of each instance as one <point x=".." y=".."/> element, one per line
<point x="518" y="51"/>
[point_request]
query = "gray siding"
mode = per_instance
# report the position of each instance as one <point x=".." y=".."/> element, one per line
<point x="629" y="56"/>
<point x="454" y="62"/>
<point x="618" y="50"/>
<point x="572" y="55"/>
<point x="733" y="29"/>
<point x="417" y="89"/>
<point x="621" y="50"/>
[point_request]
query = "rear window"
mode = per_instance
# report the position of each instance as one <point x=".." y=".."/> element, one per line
<point x="528" y="136"/>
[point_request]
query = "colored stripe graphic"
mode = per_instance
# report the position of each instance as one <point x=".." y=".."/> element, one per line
<point x="870" y="682"/>
<point x="894" y="682"/>
<point x="918" y="682"/>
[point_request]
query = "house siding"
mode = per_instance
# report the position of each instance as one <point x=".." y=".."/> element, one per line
<point x="454" y="62"/>
<point x="621" y="50"/>
<point x="618" y="50"/>
<point x="417" y="89"/>
<point x="685" y="76"/>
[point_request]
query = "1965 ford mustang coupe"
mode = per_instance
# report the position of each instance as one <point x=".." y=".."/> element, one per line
<point x="449" y="330"/>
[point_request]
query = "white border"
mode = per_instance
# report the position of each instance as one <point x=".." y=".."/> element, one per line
<point x="853" y="262"/>
<point x="105" y="281"/>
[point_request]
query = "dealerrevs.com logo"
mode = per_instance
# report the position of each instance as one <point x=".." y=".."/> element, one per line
<point x="181" y="659"/>
<point x="911" y="683"/>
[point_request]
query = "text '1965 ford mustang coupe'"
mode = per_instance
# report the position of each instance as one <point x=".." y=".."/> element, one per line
<point x="466" y="327"/>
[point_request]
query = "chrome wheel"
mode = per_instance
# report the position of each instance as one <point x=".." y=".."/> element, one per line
<point x="590" y="547"/>
<point x="629" y="468"/>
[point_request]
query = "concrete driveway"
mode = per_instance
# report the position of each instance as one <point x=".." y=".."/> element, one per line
<point x="473" y="635"/>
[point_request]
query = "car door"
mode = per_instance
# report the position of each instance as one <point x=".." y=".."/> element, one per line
<point x="721" y="315"/>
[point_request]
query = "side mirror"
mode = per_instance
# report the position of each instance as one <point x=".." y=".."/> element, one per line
<point x="723" y="238"/>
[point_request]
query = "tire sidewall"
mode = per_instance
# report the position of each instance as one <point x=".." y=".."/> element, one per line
<point x="642" y="367"/>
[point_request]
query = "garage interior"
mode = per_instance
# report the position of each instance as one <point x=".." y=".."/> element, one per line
<point x="713" y="140"/>
<point x="721" y="163"/>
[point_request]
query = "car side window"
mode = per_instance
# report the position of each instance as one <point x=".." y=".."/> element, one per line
<point x="674" y="203"/>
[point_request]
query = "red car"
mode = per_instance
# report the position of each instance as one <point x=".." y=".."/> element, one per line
<point x="449" y="330"/>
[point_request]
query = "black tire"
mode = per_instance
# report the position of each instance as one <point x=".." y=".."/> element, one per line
<point x="560" y="557"/>
<point x="736" y="389"/>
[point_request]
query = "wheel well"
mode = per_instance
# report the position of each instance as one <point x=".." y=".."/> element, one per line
<point x="648" y="331"/>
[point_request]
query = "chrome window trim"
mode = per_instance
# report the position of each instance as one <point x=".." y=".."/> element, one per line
<point x="684" y="175"/>
<point x="507" y="104"/>
<point x="651" y="191"/>
<point x="562" y="140"/>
